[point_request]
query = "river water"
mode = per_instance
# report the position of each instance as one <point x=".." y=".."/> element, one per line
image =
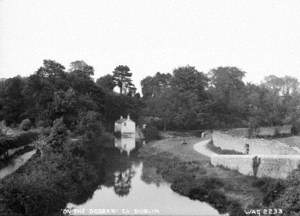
<point x="132" y="188"/>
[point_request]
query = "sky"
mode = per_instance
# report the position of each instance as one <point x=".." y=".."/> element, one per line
<point x="261" y="37"/>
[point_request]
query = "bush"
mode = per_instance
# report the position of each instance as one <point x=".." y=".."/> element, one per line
<point x="22" y="139"/>
<point x="218" y="200"/>
<point x="28" y="199"/>
<point x="25" y="124"/>
<point x="42" y="123"/>
<point x="271" y="188"/>
<point x="58" y="135"/>
<point x="151" y="133"/>
<point x="90" y="124"/>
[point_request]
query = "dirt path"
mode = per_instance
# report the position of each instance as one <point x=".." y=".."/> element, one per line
<point x="201" y="147"/>
<point x="16" y="163"/>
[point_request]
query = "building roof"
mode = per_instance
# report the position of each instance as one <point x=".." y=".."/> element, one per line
<point x="120" y="121"/>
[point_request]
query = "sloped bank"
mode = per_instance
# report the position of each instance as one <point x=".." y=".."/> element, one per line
<point x="192" y="175"/>
<point x="58" y="173"/>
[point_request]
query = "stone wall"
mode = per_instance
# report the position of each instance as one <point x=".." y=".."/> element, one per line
<point x="262" y="131"/>
<point x="277" y="159"/>
<point x="256" y="146"/>
<point x="275" y="166"/>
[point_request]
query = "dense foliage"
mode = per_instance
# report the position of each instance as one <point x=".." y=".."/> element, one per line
<point x="73" y="105"/>
<point x="21" y="139"/>
<point x="189" y="99"/>
<point x="74" y="114"/>
<point x="59" y="174"/>
<point x="53" y="92"/>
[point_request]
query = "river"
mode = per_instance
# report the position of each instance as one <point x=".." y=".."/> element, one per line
<point x="131" y="188"/>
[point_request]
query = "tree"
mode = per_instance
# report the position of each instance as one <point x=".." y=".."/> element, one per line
<point x="179" y="100"/>
<point x="153" y="86"/>
<point x="54" y="73"/>
<point x="189" y="79"/>
<point x="228" y="96"/>
<point x="284" y="97"/>
<point x="284" y="86"/>
<point x="106" y="82"/>
<point x="122" y="78"/>
<point x="80" y="77"/>
<point x="81" y="68"/>
<point x="13" y="102"/>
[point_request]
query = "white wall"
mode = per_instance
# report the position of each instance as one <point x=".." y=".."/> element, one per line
<point x="256" y="146"/>
<point x="275" y="166"/>
<point x="129" y="128"/>
<point x="277" y="159"/>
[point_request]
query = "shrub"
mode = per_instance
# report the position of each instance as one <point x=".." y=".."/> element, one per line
<point x="151" y="133"/>
<point x="218" y="200"/>
<point x="198" y="193"/>
<point x="28" y="199"/>
<point x="42" y="123"/>
<point x="58" y="135"/>
<point x="272" y="191"/>
<point x="25" y="124"/>
<point x="235" y="209"/>
<point x="90" y="124"/>
<point x="17" y="141"/>
<point x="271" y="188"/>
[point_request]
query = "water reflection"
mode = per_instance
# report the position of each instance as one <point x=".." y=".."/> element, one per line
<point x="125" y="143"/>
<point x="150" y="176"/>
<point x="131" y="185"/>
<point x="122" y="183"/>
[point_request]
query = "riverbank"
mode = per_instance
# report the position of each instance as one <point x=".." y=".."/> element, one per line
<point x="57" y="174"/>
<point x="191" y="174"/>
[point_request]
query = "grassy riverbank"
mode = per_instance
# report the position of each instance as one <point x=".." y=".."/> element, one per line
<point x="191" y="174"/>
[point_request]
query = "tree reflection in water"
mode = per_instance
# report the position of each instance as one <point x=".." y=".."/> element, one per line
<point x="122" y="183"/>
<point x="130" y="183"/>
<point x="118" y="166"/>
<point x="150" y="175"/>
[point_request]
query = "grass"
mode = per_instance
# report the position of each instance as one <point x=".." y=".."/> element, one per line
<point x="292" y="141"/>
<point x="218" y="150"/>
<point x="185" y="168"/>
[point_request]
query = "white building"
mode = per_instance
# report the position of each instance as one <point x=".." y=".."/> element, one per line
<point x="125" y="126"/>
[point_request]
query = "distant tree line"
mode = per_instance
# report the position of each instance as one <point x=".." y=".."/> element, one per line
<point x="189" y="99"/>
<point x="185" y="99"/>
<point x="53" y="92"/>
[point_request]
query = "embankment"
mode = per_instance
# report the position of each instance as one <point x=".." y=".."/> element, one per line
<point x="276" y="159"/>
<point x="191" y="174"/>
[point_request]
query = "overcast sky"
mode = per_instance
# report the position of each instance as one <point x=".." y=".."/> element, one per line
<point x="261" y="37"/>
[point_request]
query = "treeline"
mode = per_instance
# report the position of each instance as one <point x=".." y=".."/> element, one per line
<point x="185" y="99"/>
<point x="53" y="92"/>
<point x="189" y="99"/>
